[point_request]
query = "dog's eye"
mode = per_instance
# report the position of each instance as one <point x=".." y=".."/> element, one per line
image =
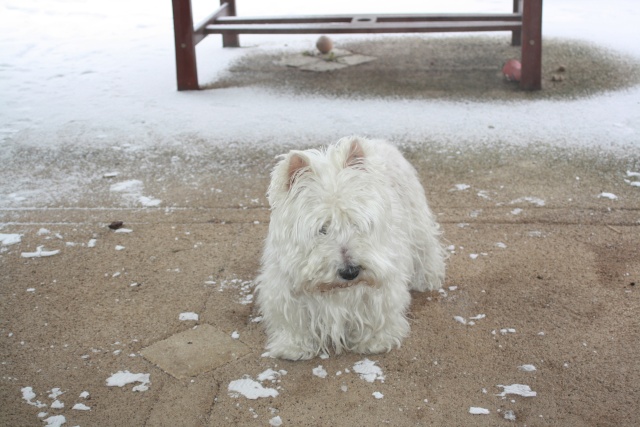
<point x="323" y="229"/>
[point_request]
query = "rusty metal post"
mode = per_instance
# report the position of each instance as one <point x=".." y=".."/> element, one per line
<point x="230" y="40"/>
<point x="186" y="68"/>
<point x="531" y="78"/>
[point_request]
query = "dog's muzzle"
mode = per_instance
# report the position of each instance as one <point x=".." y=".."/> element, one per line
<point x="350" y="272"/>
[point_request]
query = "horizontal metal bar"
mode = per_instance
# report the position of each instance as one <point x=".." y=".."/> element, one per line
<point x="307" y="19"/>
<point x="367" y="27"/>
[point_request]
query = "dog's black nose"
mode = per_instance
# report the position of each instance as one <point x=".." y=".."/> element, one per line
<point x="350" y="272"/>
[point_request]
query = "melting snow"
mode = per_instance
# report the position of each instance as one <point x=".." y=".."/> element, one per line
<point x="368" y="370"/>
<point x="10" y="239"/>
<point x="478" y="411"/>
<point x="55" y="421"/>
<point x="519" y="389"/>
<point x="250" y="389"/>
<point x="132" y="191"/>
<point x="57" y="404"/>
<point x="533" y="200"/>
<point x="188" y="316"/>
<point x="460" y="319"/>
<point x="55" y="392"/>
<point x="28" y="395"/>
<point x="319" y="372"/>
<point x="81" y="407"/>
<point x="270" y="375"/>
<point x="509" y="415"/>
<point x="122" y="378"/>
<point x="609" y="196"/>
<point x="39" y="253"/>
<point x="471" y="320"/>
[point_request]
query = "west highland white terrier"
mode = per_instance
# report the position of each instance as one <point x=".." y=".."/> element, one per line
<point x="350" y="235"/>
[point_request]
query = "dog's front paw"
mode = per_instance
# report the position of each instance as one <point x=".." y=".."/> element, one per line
<point x="285" y="345"/>
<point x="290" y="352"/>
<point x="376" y="346"/>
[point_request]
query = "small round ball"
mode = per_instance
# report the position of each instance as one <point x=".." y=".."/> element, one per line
<point x="512" y="70"/>
<point x="324" y="44"/>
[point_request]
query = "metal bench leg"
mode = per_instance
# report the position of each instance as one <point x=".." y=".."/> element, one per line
<point x="531" y="78"/>
<point x="230" y="40"/>
<point x="186" y="69"/>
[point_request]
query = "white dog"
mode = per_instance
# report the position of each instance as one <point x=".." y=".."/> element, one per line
<point x="350" y="235"/>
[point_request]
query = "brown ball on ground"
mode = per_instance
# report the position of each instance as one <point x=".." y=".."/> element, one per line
<point x="324" y="44"/>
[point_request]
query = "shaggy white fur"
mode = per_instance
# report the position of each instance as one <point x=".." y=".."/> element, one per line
<point x="350" y="234"/>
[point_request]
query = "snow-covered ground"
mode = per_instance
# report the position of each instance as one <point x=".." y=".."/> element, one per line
<point x="93" y="73"/>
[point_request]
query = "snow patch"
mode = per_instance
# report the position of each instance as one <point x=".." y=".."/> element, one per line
<point x="56" y="404"/>
<point x="122" y="378"/>
<point x="609" y="196"/>
<point x="55" y="392"/>
<point x="270" y="375"/>
<point x="39" y="253"/>
<point x="250" y="389"/>
<point x="533" y="200"/>
<point x="132" y="190"/>
<point x="319" y="372"/>
<point x="509" y="415"/>
<point x="81" y="407"/>
<point x="368" y="371"/>
<point x="10" y="239"/>
<point x="478" y="411"/>
<point x="189" y="315"/>
<point x="55" y="421"/>
<point x="28" y="395"/>
<point x="519" y="389"/>
<point x="460" y="319"/>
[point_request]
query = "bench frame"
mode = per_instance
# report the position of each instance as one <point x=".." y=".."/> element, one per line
<point x="525" y="25"/>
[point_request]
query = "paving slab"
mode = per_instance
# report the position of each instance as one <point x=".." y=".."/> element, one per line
<point x="194" y="351"/>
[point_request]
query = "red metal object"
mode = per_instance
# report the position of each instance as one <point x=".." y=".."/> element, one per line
<point x="186" y="68"/>
<point x="524" y="24"/>
<point x="531" y="45"/>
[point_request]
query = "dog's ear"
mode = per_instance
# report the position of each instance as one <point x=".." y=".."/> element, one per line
<point x="288" y="170"/>
<point x="355" y="156"/>
<point x="298" y="165"/>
